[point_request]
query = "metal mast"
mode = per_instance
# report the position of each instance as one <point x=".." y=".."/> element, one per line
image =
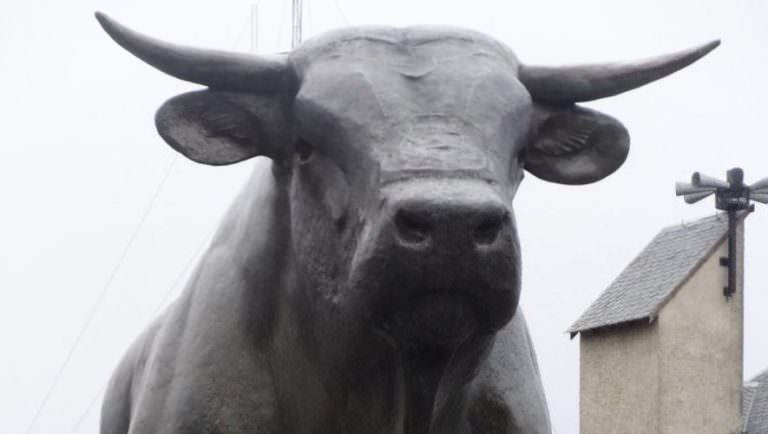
<point x="296" y="28"/>
<point x="254" y="27"/>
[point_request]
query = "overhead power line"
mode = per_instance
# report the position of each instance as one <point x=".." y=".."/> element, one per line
<point x="177" y="281"/>
<point x="341" y="12"/>
<point x="100" y="299"/>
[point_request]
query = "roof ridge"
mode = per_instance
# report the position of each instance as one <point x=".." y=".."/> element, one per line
<point x="760" y="377"/>
<point x="755" y="391"/>
<point x="685" y="224"/>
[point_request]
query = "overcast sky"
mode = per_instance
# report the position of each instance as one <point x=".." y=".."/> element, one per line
<point x="82" y="170"/>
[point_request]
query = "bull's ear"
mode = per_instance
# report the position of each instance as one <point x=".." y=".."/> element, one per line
<point x="218" y="128"/>
<point x="576" y="145"/>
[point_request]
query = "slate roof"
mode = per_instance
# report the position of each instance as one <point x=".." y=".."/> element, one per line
<point x="650" y="280"/>
<point x="755" y="405"/>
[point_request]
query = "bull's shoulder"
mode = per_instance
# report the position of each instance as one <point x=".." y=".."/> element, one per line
<point x="203" y="371"/>
<point x="119" y="395"/>
<point x="202" y="368"/>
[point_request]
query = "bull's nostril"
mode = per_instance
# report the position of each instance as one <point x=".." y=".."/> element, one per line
<point x="411" y="227"/>
<point x="488" y="229"/>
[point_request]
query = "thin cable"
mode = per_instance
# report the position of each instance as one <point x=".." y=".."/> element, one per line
<point x="90" y="406"/>
<point x="242" y="32"/>
<point x="341" y="12"/>
<point x="95" y="307"/>
<point x="161" y="304"/>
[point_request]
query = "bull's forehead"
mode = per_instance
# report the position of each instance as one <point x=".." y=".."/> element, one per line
<point x="430" y="101"/>
<point x="399" y="44"/>
<point x="410" y="71"/>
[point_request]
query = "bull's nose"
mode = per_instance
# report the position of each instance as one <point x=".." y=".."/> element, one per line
<point x="455" y="222"/>
<point x="491" y="221"/>
<point x="413" y="226"/>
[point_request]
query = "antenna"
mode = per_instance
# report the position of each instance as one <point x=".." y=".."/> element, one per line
<point x="732" y="196"/>
<point x="298" y="10"/>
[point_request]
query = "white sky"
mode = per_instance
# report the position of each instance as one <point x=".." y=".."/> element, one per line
<point x="80" y="161"/>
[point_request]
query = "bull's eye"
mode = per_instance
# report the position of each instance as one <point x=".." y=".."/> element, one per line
<point x="304" y="150"/>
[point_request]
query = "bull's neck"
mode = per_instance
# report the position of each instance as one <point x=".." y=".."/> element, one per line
<point x="436" y="382"/>
<point x="370" y="384"/>
<point x="422" y="370"/>
<point x="251" y="244"/>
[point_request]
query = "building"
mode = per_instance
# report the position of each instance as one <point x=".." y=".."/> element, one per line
<point x="755" y="402"/>
<point x="661" y="348"/>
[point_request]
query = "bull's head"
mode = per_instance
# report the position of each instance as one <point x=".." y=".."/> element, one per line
<point x="401" y="151"/>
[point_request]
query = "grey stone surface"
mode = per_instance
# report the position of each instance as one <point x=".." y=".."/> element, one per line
<point x="651" y="278"/>
<point x="367" y="278"/>
<point x="755" y="401"/>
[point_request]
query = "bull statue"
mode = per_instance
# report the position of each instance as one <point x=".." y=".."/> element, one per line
<point x="366" y="279"/>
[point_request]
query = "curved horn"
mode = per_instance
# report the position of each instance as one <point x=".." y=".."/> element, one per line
<point x="216" y="69"/>
<point x="588" y="82"/>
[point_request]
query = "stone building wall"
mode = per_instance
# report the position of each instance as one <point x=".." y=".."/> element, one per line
<point x="700" y="350"/>
<point x="680" y="373"/>
<point x="620" y="380"/>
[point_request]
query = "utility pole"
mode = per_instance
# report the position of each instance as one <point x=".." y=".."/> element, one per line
<point x="296" y="29"/>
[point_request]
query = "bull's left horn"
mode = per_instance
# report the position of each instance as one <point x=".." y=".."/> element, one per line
<point x="216" y="69"/>
<point x="570" y="84"/>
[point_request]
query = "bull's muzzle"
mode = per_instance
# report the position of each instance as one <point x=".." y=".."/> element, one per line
<point x="452" y="219"/>
<point x="440" y="264"/>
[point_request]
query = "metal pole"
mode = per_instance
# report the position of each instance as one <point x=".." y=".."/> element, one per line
<point x="254" y="27"/>
<point x="731" y="288"/>
<point x="736" y="198"/>
<point x="732" y="196"/>
<point x="297" y="13"/>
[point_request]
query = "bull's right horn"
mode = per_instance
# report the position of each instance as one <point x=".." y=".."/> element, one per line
<point x="569" y="84"/>
<point x="215" y="69"/>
